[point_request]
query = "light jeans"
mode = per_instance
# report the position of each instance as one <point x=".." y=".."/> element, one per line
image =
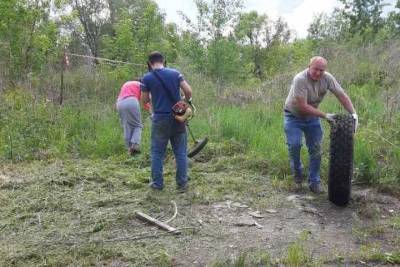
<point x="294" y="129"/>
<point x="131" y="121"/>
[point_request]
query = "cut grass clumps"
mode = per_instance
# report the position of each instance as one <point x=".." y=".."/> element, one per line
<point x="48" y="221"/>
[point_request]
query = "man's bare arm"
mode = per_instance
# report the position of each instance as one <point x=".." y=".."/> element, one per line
<point x="305" y="109"/>
<point x="145" y="98"/>
<point x="187" y="90"/>
<point x="345" y="100"/>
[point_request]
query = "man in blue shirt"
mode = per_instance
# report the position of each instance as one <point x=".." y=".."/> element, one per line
<point x="164" y="126"/>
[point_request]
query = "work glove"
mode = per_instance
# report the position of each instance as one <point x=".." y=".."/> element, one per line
<point x="355" y="117"/>
<point x="330" y="117"/>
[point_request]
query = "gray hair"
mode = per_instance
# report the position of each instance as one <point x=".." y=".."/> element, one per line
<point x="318" y="58"/>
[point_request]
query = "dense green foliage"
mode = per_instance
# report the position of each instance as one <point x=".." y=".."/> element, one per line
<point x="239" y="64"/>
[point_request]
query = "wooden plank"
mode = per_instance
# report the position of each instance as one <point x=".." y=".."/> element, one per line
<point x="156" y="222"/>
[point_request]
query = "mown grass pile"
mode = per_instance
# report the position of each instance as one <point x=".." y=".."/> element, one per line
<point x="82" y="211"/>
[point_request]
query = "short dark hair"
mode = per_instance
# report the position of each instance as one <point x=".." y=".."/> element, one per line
<point x="156" y="57"/>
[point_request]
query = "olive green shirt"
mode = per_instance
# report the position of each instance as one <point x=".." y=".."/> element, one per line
<point x="313" y="91"/>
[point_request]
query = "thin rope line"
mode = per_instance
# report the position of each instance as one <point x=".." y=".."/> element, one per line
<point x="106" y="59"/>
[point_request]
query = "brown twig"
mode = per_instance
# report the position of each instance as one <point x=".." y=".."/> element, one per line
<point x="175" y="213"/>
<point x="158" y="223"/>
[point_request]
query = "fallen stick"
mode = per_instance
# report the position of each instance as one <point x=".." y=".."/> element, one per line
<point x="160" y="224"/>
<point x="175" y="213"/>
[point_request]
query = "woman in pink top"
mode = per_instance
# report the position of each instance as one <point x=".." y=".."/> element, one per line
<point x="128" y="106"/>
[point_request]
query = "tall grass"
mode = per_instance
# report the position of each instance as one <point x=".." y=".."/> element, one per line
<point x="250" y="113"/>
<point x="31" y="130"/>
<point x="257" y="127"/>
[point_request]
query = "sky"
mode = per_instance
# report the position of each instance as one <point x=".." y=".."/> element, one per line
<point x="297" y="13"/>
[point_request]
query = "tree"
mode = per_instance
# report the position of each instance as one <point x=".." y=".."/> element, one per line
<point x="363" y="15"/>
<point x="93" y="15"/>
<point x="333" y="27"/>
<point x="28" y="34"/>
<point x="259" y="34"/>
<point x="147" y="27"/>
<point x="212" y="28"/>
<point x="394" y="19"/>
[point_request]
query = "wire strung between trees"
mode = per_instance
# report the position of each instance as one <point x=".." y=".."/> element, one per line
<point x="110" y="60"/>
<point x="65" y="62"/>
<point x="106" y="59"/>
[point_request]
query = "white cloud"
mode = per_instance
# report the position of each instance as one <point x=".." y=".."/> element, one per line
<point x="171" y="8"/>
<point x="301" y="16"/>
<point x="298" y="13"/>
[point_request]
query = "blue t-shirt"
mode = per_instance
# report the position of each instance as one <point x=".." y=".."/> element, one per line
<point x="161" y="102"/>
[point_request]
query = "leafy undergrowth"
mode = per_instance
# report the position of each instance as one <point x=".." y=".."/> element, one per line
<point x="82" y="213"/>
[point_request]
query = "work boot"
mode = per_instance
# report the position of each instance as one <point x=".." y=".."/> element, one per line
<point x="183" y="188"/>
<point x="298" y="181"/>
<point x="316" y="188"/>
<point x="155" y="187"/>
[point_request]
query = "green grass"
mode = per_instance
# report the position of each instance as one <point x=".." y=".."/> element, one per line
<point x="44" y="130"/>
<point x="374" y="253"/>
<point x="296" y="255"/>
<point x="32" y="130"/>
<point x="395" y="222"/>
<point x="250" y="258"/>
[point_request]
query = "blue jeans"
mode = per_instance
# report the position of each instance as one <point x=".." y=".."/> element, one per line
<point x="294" y="129"/>
<point x="165" y="128"/>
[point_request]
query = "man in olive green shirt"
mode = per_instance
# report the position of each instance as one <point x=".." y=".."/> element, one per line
<point x="303" y="116"/>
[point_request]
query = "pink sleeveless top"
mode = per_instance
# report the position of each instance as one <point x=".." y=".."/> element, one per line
<point x="132" y="89"/>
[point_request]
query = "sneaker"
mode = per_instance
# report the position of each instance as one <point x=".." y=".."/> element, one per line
<point x="134" y="149"/>
<point x="183" y="188"/>
<point x="316" y="188"/>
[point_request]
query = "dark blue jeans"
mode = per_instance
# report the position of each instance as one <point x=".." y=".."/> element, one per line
<point x="294" y="129"/>
<point x="165" y="128"/>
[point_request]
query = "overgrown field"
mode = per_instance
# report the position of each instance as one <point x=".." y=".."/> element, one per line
<point x="36" y="129"/>
<point x="69" y="192"/>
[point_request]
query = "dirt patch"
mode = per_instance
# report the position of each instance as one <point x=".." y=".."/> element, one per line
<point x="228" y="228"/>
<point x="235" y="230"/>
